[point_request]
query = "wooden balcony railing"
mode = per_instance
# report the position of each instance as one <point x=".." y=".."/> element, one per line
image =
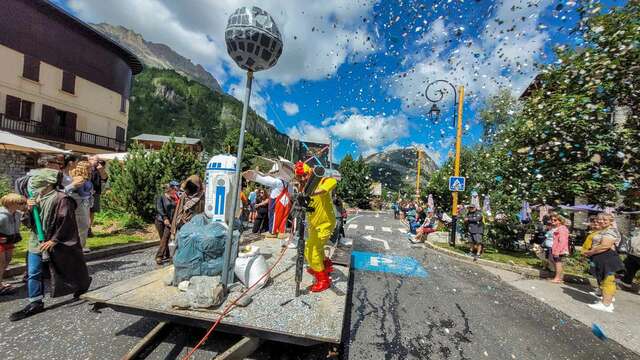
<point x="36" y="129"/>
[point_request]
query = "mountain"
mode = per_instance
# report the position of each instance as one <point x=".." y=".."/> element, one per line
<point x="165" y="102"/>
<point x="158" y="55"/>
<point x="394" y="168"/>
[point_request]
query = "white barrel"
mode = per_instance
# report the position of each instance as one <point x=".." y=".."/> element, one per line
<point x="250" y="267"/>
<point x="219" y="186"/>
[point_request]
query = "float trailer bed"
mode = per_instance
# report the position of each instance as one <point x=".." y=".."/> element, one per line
<point x="274" y="314"/>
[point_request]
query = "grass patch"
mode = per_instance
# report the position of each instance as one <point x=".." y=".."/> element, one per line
<point x="110" y="229"/>
<point x="575" y="265"/>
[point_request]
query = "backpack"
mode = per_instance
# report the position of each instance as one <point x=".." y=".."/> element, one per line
<point x="631" y="244"/>
<point x="20" y="186"/>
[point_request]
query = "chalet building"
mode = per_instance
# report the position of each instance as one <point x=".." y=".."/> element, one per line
<point x="155" y="142"/>
<point x="62" y="82"/>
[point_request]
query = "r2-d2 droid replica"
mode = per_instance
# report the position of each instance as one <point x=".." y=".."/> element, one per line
<point x="220" y="185"/>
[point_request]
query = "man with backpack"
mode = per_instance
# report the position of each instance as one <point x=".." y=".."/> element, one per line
<point x="632" y="262"/>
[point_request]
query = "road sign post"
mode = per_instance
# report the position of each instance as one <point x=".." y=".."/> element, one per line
<point x="457" y="183"/>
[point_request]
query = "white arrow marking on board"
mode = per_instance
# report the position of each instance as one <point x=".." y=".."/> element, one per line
<point x="386" y="229"/>
<point x="369" y="227"/>
<point x="375" y="261"/>
<point x="384" y="242"/>
<point x="353" y="226"/>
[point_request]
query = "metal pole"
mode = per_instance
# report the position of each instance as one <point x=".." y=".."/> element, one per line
<point x="418" y="175"/>
<point x="234" y="203"/>
<point x="456" y="167"/>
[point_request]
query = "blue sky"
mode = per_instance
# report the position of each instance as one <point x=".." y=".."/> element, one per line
<point x="356" y="71"/>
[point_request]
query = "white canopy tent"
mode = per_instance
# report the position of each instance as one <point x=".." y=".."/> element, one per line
<point x="12" y="142"/>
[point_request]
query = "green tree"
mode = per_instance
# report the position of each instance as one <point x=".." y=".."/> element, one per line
<point x="137" y="181"/>
<point x="355" y="186"/>
<point x="252" y="147"/>
<point x="500" y="110"/>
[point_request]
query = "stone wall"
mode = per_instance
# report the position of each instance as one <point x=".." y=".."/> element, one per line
<point x="15" y="164"/>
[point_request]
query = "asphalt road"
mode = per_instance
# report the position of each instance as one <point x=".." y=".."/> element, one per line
<point x="432" y="307"/>
<point x="456" y="311"/>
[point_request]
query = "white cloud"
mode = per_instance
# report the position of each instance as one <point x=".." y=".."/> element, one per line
<point x="318" y="36"/>
<point x="369" y="132"/>
<point x="308" y="132"/>
<point x="290" y="108"/>
<point x="502" y="56"/>
<point x="258" y="102"/>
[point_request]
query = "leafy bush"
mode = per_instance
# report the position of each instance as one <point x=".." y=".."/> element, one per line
<point x="5" y="186"/>
<point x="136" y="182"/>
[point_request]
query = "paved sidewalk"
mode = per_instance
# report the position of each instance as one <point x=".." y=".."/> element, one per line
<point x="622" y="326"/>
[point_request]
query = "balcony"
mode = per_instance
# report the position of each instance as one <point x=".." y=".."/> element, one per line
<point x="35" y="129"/>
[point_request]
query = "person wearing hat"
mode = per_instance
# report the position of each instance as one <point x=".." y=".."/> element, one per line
<point x="474" y="222"/>
<point x="61" y="243"/>
<point x="279" y="198"/>
<point x="165" y="207"/>
<point x="321" y="222"/>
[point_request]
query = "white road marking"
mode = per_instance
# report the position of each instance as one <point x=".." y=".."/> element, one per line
<point x="402" y="230"/>
<point x="386" y="229"/>
<point x="369" y="227"/>
<point x="353" y="226"/>
<point x="384" y="242"/>
<point x="353" y="218"/>
<point x="377" y="215"/>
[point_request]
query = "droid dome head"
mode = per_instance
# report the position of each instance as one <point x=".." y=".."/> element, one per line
<point x="253" y="39"/>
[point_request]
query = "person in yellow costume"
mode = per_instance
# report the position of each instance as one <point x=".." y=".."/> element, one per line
<point x="320" y="224"/>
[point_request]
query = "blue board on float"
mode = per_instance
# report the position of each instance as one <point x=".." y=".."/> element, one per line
<point x="398" y="265"/>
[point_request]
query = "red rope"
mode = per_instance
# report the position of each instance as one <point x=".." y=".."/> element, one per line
<point x="230" y="307"/>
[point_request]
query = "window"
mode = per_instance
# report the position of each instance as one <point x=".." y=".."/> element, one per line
<point x="123" y="104"/>
<point x="12" y="107"/>
<point x="68" y="82"/>
<point x="18" y="109"/>
<point x="31" y="68"/>
<point x="120" y="133"/>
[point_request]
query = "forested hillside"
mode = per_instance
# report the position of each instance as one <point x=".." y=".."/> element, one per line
<point x="164" y="102"/>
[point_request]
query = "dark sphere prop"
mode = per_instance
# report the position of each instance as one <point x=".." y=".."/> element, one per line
<point x="253" y="39"/>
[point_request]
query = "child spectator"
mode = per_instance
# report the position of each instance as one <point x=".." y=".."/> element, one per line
<point x="10" y="213"/>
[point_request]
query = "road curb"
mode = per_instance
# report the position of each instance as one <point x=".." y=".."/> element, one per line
<point x="525" y="271"/>
<point x="94" y="255"/>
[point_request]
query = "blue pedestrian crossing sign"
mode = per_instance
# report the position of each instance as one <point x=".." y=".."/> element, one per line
<point x="456" y="183"/>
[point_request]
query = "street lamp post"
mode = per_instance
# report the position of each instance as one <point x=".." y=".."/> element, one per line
<point x="434" y="114"/>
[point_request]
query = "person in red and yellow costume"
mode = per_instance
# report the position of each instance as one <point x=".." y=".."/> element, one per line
<point x="320" y="223"/>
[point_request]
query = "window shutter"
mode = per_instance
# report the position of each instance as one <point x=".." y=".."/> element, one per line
<point x="25" y="113"/>
<point x="123" y="104"/>
<point x="12" y="107"/>
<point x="68" y="82"/>
<point x="120" y="134"/>
<point x="70" y="126"/>
<point x="31" y="68"/>
<point x="48" y="116"/>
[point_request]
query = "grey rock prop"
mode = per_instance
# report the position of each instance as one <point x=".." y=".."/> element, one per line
<point x="202" y="292"/>
<point x="253" y="39"/>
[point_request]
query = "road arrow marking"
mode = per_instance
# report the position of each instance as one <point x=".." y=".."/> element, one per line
<point x="384" y="242"/>
<point x="375" y="261"/>
<point x="353" y="226"/>
<point x="369" y="227"/>
<point x="386" y="229"/>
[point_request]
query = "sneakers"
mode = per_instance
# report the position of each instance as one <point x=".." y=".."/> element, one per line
<point x="86" y="250"/>
<point x="29" y="310"/>
<point x="625" y="285"/>
<point x="602" y="307"/>
<point x="598" y="294"/>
